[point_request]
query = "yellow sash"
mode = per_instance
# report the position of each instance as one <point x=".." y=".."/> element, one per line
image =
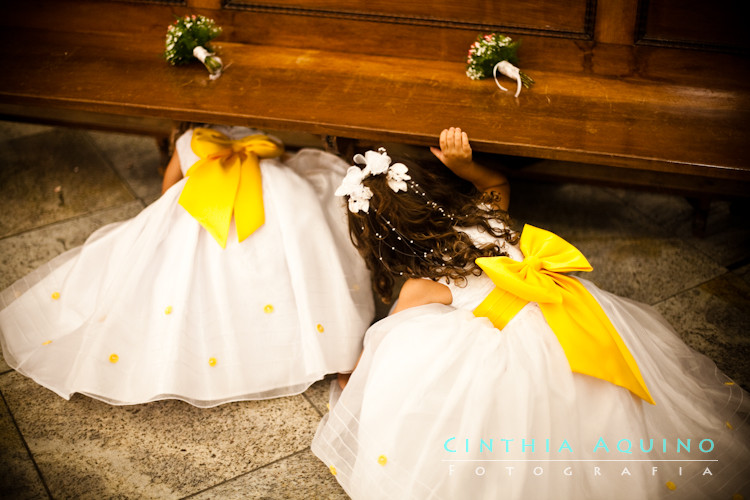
<point x="226" y="180"/>
<point x="591" y="343"/>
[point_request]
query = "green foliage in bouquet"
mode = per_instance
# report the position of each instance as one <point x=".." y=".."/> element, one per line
<point x="185" y="35"/>
<point x="487" y="51"/>
<point x="486" y="54"/>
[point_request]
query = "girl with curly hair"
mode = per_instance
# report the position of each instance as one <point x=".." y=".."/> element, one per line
<point x="497" y="375"/>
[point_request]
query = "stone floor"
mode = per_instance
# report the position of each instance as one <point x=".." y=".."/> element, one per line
<point x="58" y="185"/>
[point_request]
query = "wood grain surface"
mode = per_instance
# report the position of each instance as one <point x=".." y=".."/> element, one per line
<point x="637" y="107"/>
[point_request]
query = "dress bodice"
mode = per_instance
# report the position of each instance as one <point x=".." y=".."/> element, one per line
<point x="468" y="293"/>
<point x="185" y="151"/>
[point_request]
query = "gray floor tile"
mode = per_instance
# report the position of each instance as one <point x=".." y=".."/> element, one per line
<point x="19" y="478"/>
<point x="167" y="449"/>
<point x="743" y="272"/>
<point x="301" y="476"/>
<point x="727" y="238"/>
<point x="13" y="130"/>
<point x="571" y="210"/>
<point x="53" y="176"/>
<point x="631" y="254"/>
<point x="645" y="269"/>
<point x="22" y="253"/>
<point x="318" y="393"/>
<point x="668" y="211"/>
<point x="713" y="319"/>
<point x="136" y="158"/>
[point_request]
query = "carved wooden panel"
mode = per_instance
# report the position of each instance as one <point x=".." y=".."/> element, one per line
<point x="718" y="24"/>
<point x="153" y="2"/>
<point x="568" y="18"/>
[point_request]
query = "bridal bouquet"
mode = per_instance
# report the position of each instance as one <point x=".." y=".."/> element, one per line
<point x="188" y="39"/>
<point x="494" y="53"/>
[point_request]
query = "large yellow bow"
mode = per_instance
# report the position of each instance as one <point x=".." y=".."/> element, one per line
<point x="226" y="180"/>
<point x="591" y="343"/>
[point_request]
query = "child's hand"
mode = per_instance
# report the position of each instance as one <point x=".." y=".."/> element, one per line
<point x="455" y="151"/>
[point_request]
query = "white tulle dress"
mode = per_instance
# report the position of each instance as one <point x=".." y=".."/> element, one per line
<point x="444" y="405"/>
<point x="153" y="308"/>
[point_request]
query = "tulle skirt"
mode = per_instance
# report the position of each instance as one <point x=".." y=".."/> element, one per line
<point x="153" y="308"/>
<point x="443" y="405"/>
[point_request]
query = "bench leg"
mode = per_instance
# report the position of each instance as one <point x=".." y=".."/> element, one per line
<point x="164" y="143"/>
<point x="341" y="146"/>
<point x="701" y="207"/>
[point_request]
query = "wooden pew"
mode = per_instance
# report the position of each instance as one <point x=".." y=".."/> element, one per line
<point x="646" y="93"/>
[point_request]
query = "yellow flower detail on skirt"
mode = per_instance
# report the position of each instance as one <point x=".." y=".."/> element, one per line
<point x="55" y="295"/>
<point x="382" y="460"/>
<point x="212" y="361"/>
<point x="114" y="358"/>
<point x="332" y="469"/>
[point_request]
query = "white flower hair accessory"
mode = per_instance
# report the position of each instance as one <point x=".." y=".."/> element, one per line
<point x="375" y="163"/>
<point x="359" y="194"/>
<point x="397" y="177"/>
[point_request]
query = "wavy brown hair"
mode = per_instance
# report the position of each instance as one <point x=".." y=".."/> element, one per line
<point x="414" y="233"/>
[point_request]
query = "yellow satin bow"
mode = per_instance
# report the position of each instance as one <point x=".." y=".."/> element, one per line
<point x="225" y="181"/>
<point x="591" y="343"/>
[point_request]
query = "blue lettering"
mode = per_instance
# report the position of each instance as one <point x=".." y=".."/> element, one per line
<point x="680" y="444"/>
<point x="445" y="445"/>
<point x="601" y="444"/>
<point x="700" y="445"/>
<point x="483" y="444"/>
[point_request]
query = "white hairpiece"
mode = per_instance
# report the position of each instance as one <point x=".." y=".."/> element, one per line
<point x="375" y="163"/>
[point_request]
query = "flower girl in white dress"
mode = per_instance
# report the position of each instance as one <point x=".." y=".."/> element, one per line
<point x="239" y="282"/>
<point x="498" y="376"/>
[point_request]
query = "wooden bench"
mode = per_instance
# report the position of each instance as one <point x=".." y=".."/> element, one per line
<point x="647" y="93"/>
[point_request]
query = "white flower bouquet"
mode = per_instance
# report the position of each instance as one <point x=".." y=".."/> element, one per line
<point x="494" y="53"/>
<point x="188" y="39"/>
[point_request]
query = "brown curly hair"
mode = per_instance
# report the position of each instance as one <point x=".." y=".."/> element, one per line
<point x="414" y="233"/>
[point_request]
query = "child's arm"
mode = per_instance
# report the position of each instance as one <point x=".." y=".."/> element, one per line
<point x="418" y="292"/>
<point x="172" y="174"/>
<point x="455" y="153"/>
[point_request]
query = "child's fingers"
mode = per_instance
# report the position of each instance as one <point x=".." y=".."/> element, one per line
<point x="465" y="146"/>
<point x="457" y="140"/>
<point x="454" y="141"/>
<point x="438" y="153"/>
<point x="450" y="139"/>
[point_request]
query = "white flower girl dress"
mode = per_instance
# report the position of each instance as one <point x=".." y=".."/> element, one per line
<point x="154" y="308"/>
<point x="444" y="405"/>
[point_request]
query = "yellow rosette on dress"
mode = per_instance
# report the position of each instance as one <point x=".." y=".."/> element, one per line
<point x="591" y="343"/>
<point x="226" y="181"/>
